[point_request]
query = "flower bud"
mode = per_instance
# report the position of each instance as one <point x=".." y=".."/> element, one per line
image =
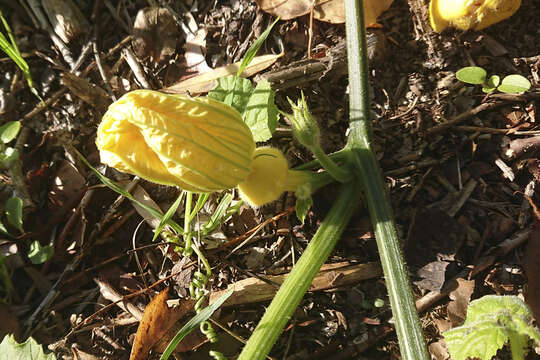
<point x="270" y="177"/>
<point x="304" y="127"/>
<point x="198" y="144"/>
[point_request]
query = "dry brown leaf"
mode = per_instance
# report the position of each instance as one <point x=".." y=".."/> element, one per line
<point x="158" y="320"/>
<point x="332" y="11"/>
<point x="90" y="93"/>
<point x="155" y="34"/>
<point x="460" y="297"/>
<point x="207" y="81"/>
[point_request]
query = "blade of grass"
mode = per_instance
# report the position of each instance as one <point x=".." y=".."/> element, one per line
<point x="254" y="48"/>
<point x="194" y="323"/>
<point x="168" y="215"/>
<point x="409" y="332"/>
<point x="12" y="50"/>
<point x="118" y="189"/>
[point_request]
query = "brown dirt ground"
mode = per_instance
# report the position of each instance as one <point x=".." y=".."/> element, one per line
<point x="455" y="191"/>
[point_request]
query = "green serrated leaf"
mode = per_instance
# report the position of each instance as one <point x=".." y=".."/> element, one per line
<point x="261" y="113"/>
<point x="491" y="84"/>
<point x="9" y="131"/>
<point x="302" y="207"/>
<point x="10" y="349"/>
<point x="233" y="91"/>
<point x="491" y="322"/>
<point x="14" y="212"/>
<point x="254" y="48"/>
<point x="472" y="75"/>
<point x="514" y="84"/>
<point x="39" y="254"/>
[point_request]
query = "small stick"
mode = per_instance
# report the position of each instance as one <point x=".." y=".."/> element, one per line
<point x="136" y="68"/>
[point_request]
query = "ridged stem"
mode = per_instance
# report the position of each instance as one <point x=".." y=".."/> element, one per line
<point x="297" y="283"/>
<point x="409" y="332"/>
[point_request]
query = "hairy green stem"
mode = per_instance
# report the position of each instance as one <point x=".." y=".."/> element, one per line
<point x="297" y="283"/>
<point x="409" y="332"/>
<point x="329" y="165"/>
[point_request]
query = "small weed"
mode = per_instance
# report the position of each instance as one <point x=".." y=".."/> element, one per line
<point x="476" y="75"/>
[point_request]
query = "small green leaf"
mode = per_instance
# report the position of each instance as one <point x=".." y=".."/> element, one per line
<point x="39" y="254"/>
<point x="233" y="91"/>
<point x="8" y="157"/>
<point x="302" y="207"/>
<point x="14" y="212"/>
<point x="9" y="131"/>
<point x="491" y="322"/>
<point x="3" y="228"/>
<point x="514" y="84"/>
<point x="254" y="48"/>
<point x="472" y="75"/>
<point x="192" y="324"/>
<point x="491" y="84"/>
<point x="261" y="113"/>
<point x="10" y="349"/>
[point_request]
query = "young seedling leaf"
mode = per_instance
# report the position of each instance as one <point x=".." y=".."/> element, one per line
<point x="39" y="254"/>
<point x="168" y="215"/>
<point x="9" y="131"/>
<point x="514" y="84"/>
<point x="8" y="157"/>
<point x="491" y="322"/>
<point x="254" y="48"/>
<point x="261" y="114"/>
<point x="193" y="323"/>
<point x="472" y="75"/>
<point x="3" y="229"/>
<point x="10" y="349"/>
<point x="233" y="91"/>
<point x="198" y="206"/>
<point x="14" y="213"/>
<point x="302" y="207"/>
<point x="491" y="84"/>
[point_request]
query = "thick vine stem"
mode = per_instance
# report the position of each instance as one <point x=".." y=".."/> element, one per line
<point x="362" y="157"/>
<point x="297" y="283"/>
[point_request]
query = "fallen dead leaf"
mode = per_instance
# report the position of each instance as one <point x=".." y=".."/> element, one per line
<point x="67" y="183"/>
<point x="438" y="350"/>
<point x="90" y="93"/>
<point x="207" y="81"/>
<point x="157" y="321"/>
<point x="155" y="34"/>
<point x="332" y="11"/>
<point x="195" y="60"/>
<point x="460" y="298"/>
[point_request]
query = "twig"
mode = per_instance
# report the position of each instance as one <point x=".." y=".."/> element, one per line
<point x="136" y="68"/>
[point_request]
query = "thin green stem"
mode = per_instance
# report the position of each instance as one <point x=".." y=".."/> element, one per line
<point x="187" y="224"/>
<point x="409" y="332"/>
<point x="329" y="165"/>
<point x="295" y="286"/>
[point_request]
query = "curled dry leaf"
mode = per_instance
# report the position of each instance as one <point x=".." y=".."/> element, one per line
<point x="155" y="34"/>
<point x="66" y="18"/>
<point x="207" y="81"/>
<point x="158" y="320"/>
<point x="332" y="11"/>
<point x="460" y="298"/>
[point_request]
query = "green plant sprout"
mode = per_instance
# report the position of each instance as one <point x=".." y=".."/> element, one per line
<point x="476" y="75"/>
<point x="491" y="322"/>
<point x="12" y="50"/>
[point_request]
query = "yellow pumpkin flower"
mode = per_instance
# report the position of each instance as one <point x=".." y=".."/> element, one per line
<point x="469" y="14"/>
<point x="198" y="144"/>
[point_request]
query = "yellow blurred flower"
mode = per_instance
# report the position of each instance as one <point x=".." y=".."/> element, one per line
<point x="469" y="14"/>
<point x="198" y="144"/>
